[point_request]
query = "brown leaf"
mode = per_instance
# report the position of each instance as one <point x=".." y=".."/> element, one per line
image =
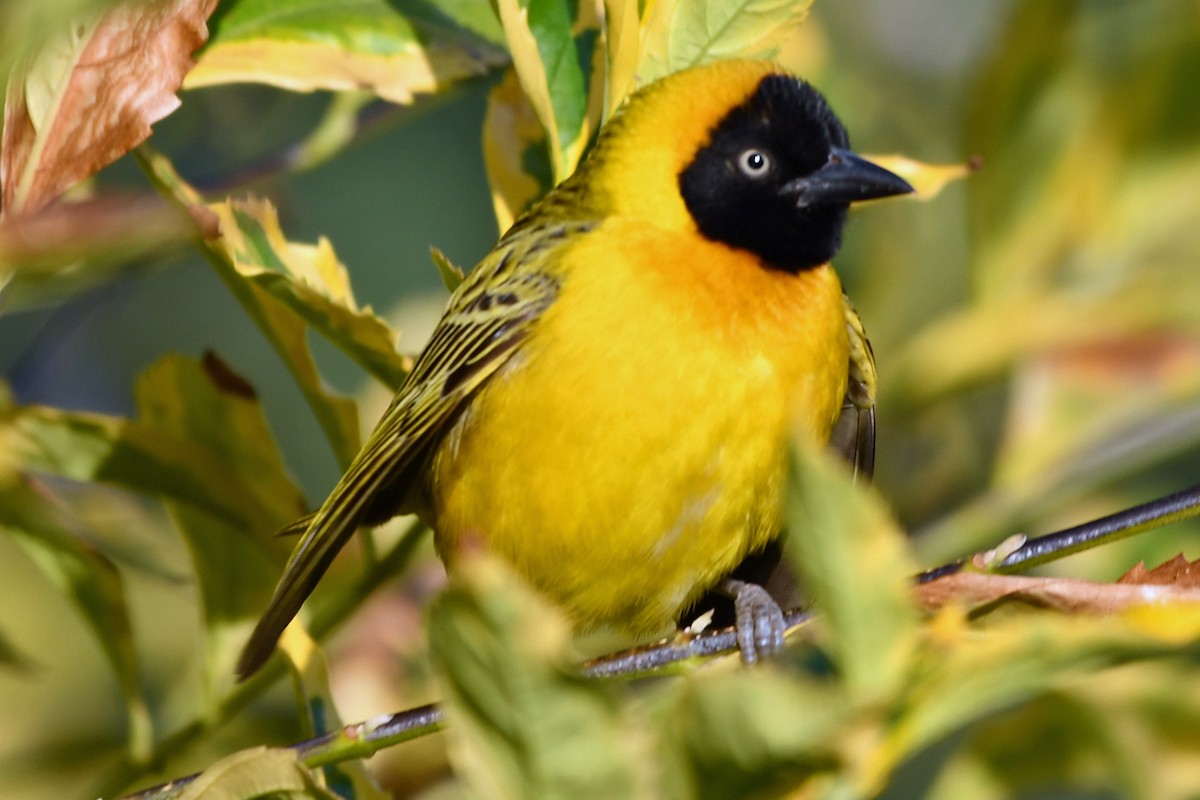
<point x="59" y="236"/>
<point x="1177" y="572"/>
<point x="90" y="95"/>
<point x="224" y="378"/>
<point x="975" y="589"/>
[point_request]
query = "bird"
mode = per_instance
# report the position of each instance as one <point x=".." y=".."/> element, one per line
<point x="608" y="399"/>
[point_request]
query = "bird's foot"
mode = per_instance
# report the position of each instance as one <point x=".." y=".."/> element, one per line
<point x="759" y="620"/>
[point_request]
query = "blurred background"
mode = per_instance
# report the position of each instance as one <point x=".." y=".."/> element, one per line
<point x="1036" y="326"/>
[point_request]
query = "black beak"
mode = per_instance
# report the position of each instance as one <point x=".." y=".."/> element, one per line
<point x="845" y="178"/>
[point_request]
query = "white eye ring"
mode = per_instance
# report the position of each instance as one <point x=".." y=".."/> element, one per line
<point x="754" y="163"/>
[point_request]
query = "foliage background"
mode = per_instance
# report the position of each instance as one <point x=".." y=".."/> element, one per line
<point x="1035" y="328"/>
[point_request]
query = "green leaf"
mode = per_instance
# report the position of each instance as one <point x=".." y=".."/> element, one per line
<point x="522" y="724"/>
<point x="207" y="402"/>
<point x="11" y="656"/>
<point x="1065" y="737"/>
<point x="89" y="581"/>
<point x="257" y="773"/>
<point x="854" y="563"/>
<point x="968" y="674"/>
<point x="678" y="34"/>
<point x="396" y="49"/>
<point x="564" y="58"/>
<point x="311" y="281"/>
<point x="554" y="45"/>
<point x="283" y="327"/>
<point x="137" y="456"/>
<point x="748" y="733"/>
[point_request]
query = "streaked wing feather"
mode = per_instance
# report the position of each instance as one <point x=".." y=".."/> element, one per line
<point x="854" y="432"/>
<point x="488" y="317"/>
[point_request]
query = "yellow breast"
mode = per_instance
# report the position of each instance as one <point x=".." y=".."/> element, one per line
<point x="633" y="451"/>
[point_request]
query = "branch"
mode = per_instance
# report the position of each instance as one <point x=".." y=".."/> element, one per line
<point x="1175" y="507"/>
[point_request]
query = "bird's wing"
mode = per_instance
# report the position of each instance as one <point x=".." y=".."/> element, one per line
<point x="853" y="434"/>
<point x="492" y="312"/>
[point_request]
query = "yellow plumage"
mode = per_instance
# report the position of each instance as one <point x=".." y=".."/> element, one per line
<point x="623" y="468"/>
<point x="608" y="399"/>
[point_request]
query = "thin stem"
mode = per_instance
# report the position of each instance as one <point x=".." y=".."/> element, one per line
<point x="1174" y="507"/>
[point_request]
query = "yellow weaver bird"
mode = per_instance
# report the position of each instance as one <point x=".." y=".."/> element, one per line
<point x="608" y="399"/>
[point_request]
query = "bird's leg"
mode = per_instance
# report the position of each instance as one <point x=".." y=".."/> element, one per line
<point x="759" y="620"/>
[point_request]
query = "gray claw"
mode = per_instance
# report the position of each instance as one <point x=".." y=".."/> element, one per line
<point x="759" y="620"/>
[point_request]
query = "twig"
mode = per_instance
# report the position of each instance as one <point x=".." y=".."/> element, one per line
<point x="1053" y="546"/>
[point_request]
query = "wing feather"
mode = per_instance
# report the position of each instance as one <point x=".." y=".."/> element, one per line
<point x="489" y="316"/>
<point x="854" y="432"/>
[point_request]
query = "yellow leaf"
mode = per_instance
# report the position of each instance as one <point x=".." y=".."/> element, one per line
<point x="310" y="280"/>
<point x="531" y="72"/>
<point x="927" y="179"/>
<point x="513" y="138"/>
<point x="308" y="66"/>
<point x="623" y="40"/>
<point x="1176" y="623"/>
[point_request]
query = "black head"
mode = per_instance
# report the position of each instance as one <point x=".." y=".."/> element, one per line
<point x="776" y="177"/>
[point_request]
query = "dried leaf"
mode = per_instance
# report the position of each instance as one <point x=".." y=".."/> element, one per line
<point x="65" y="248"/>
<point x="90" y="95"/>
<point x="1072" y="595"/>
<point x="1178" y="572"/>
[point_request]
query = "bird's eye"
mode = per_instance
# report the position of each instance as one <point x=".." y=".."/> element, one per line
<point x="754" y="163"/>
